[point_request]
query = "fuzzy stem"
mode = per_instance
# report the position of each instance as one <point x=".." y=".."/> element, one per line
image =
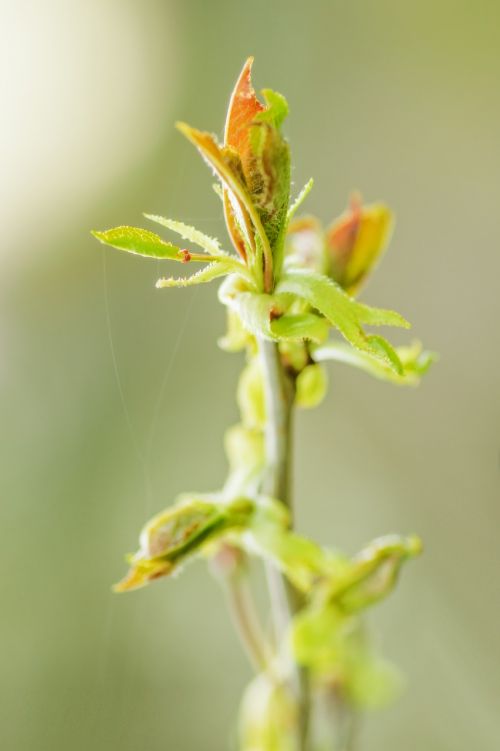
<point x="279" y="393"/>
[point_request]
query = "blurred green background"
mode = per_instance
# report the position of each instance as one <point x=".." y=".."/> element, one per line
<point x="114" y="397"/>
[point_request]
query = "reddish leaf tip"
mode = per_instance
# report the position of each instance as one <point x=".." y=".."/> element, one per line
<point x="243" y="107"/>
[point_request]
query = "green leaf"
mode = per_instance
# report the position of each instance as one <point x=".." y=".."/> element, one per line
<point x="270" y="186"/>
<point x="210" y="244"/>
<point x="301" y="560"/>
<point x="378" y="343"/>
<point x="270" y="512"/>
<point x="140" y="241"/>
<point x="300" y="199"/>
<point x="380" y="317"/>
<point x="179" y="532"/>
<point x="215" y="270"/>
<point x="415" y="362"/>
<point x="264" y="315"/>
<point x="341" y="310"/>
<point x="255" y="311"/>
<point x="276" y="111"/>
<point x="326" y="575"/>
<point x="295" y="327"/>
<point x="373" y="572"/>
<point x="318" y="637"/>
<point x="311" y="386"/>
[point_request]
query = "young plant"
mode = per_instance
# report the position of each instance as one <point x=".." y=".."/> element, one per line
<point x="289" y="283"/>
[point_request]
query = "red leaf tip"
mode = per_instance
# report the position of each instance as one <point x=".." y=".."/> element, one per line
<point x="243" y="107"/>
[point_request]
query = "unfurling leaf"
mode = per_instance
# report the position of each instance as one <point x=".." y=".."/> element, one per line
<point x="373" y="572"/>
<point x="140" y="241"/>
<point x="263" y="315"/>
<point x="224" y="168"/>
<point x="344" y="313"/>
<point x="325" y="575"/>
<point x="242" y="112"/>
<point x="178" y="533"/>
<point x="292" y="300"/>
<point x="255" y="311"/>
<point x="252" y="132"/>
<point x="276" y="111"/>
<point x="356" y="241"/>
<point x="414" y="361"/>
<point x="302" y="561"/>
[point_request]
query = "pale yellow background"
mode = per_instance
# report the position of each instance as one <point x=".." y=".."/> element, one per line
<point x="398" y="99"/>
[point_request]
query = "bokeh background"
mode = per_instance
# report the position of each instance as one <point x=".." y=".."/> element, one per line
<point x="114" y="397"/>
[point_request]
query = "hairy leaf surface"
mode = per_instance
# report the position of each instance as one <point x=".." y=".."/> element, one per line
<point x="343" y="312"/>
<point x="210" y="244"/>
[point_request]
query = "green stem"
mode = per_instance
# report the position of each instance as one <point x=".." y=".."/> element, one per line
<point x="279" y="393"/>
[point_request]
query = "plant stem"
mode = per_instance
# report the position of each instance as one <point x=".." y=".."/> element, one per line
<point x="246" y="621"/>
<point x="344" y="721"/>
<point x="334" y="722"/>
<point x="279" y="393"/>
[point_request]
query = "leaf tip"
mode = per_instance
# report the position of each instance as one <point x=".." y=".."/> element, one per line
<point x="415" y="546"/>
<point x="247" y="66"/>
<point x="132" y="580"/>
<point x="246" y="72"/>
<point x="184" y="128"/>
